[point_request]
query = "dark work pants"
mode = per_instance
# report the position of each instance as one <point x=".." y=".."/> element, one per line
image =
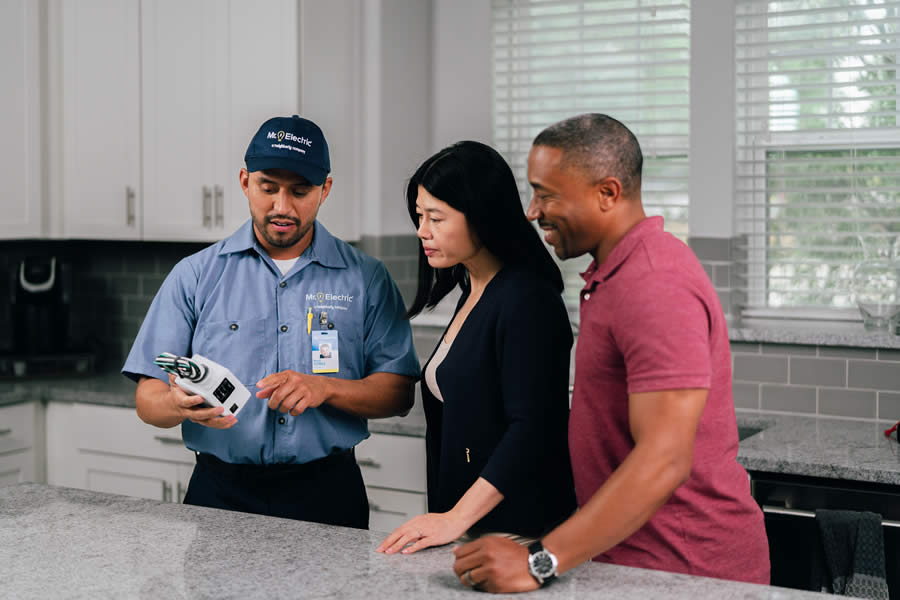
<point x="329" y="490"/>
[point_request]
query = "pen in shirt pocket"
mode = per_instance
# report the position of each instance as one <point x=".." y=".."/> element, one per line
<point x="309" y="318"/>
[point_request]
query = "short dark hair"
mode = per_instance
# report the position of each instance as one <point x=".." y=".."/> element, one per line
<point x="599" y="146"/>
<point x="475" y="180"/>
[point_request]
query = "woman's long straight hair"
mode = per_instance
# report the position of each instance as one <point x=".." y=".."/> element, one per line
<point x="475" y="180"/>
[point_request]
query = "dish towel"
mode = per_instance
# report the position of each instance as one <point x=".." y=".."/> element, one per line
<point x="849" y="558"/>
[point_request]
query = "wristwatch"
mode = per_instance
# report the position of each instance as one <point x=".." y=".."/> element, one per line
<point x="541" y="563"/>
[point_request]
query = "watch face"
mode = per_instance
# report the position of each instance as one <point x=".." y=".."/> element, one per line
<point x="542" y="564"/>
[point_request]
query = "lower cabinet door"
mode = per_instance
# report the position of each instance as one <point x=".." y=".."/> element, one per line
<point x="388" y="509"/>
<point x="129" y="476"/>
<point x="16" y="467"/>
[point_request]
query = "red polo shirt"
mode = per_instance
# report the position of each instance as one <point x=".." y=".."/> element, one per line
<point x="651" y="321"/>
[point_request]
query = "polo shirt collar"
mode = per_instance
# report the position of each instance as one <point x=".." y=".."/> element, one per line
<point x="622" y="250"/>
<point x="323" y="249"/>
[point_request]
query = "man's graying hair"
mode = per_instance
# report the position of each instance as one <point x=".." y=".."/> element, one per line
<point x="599" y="146"/>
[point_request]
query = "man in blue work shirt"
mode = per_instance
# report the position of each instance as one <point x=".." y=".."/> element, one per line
<point x="255" y="303"/>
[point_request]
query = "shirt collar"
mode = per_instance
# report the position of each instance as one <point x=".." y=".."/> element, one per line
<point x="323" y="249"/>
<point x="597" y="273"/>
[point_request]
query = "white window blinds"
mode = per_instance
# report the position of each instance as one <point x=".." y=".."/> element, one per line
<point x="818" y="145"/>
<point x="554" y="59"/>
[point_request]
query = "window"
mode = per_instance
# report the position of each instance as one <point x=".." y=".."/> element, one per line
<point x="818" y="148"/>
<point x="554" y="59"/>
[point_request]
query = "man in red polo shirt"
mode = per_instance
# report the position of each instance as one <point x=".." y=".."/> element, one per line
<point x="652" y="432"/>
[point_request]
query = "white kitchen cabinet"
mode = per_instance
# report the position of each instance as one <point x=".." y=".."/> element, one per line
<point x="159" y="99"/>
<point x="20" y="125"/>
<point x="393" y="469"/>
<point x="109" y="449"/>
<point x="99" y="195"/>
<point x="213" y="71"/>
<point x="21" y="443"/>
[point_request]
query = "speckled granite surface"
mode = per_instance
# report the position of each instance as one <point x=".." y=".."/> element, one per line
<point x="820" y="447"/>
<point x="60" y="542"/>
<point x="850" y="334"/>
<point x="113" y="389"/>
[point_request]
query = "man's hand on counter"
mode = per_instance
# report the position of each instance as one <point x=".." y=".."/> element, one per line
<point x="494" y="564"/>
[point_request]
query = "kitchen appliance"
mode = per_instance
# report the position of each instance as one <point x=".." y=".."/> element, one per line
<point x="789" y="503"/>
<point x="41" y="298"/>
<point x="40" y="289"/>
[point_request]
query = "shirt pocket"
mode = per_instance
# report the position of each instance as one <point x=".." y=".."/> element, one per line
<point x="239" y="345"/>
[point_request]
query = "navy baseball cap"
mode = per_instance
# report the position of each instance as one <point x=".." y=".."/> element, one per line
<point x="291" y="143"/>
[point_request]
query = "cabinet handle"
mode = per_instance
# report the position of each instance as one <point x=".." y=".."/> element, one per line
<point x="182" y="490"/>
<point x="5" y="431"/>
<point x="168" y="440"/>
<point x="368" y="462"/>
<point x="375" y="508"/>
<point x="220" y="205"/>
<point x="129" y="206"/>
<point x="793" y="512"/>
<point x="207" y="206"/>
<point x="166" y="492"/>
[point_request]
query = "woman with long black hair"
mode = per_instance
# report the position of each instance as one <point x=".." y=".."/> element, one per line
<point x="495" y="389"/>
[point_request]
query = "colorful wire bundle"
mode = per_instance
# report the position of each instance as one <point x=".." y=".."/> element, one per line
<point x="180" y="366"/>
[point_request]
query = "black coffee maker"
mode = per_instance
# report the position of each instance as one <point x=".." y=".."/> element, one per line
<point x="41" y="289"/>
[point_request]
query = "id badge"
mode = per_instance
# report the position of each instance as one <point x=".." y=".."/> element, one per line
<point x="324" y="351"/>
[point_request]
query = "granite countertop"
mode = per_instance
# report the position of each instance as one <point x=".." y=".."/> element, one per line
<point x="811" y="333"/>
<point x="820" y="447"/>
<point x="61" y="542"/>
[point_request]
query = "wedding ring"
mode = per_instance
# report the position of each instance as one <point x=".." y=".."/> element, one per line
<point x="468" y="577"/>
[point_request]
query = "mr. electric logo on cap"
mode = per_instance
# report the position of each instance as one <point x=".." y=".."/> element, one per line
<point x="281" y="135"/>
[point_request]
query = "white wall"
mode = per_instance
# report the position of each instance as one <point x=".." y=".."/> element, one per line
<point x="461" y="72"/>
<point x="712" y="132"/>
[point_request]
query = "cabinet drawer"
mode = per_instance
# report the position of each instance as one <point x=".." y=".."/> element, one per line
<point x="17" y="427"/>
<point x="388" y="509"/>
<point x="115" y="430"/>
<point x="392" y="461"/>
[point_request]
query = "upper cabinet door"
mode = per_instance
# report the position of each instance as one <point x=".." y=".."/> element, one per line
<point x="20" y="129"/>
<point x="263" y="83"/>
<point x="101" y="119"/>
<point x="185" y="65"/>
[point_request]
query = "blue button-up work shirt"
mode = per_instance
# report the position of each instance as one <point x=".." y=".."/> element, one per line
<point x="230" y="303"/>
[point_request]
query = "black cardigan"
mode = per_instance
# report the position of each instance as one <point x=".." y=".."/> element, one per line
<point x="505" y="413"/>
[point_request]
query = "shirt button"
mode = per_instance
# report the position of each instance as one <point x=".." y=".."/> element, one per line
<point x="587" y="296"/>
<point x="233" y="327"/>
<point x="282" y="284"/>
<point x="284" y="328"/>
<point x="281" y="420"/>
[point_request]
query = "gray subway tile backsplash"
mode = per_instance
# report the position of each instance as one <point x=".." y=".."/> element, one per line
<point x="818" y="371"/>
<point x="746" y="395"/>
<point x="768" y="369"/>
<point x="869" y="374"/>
<point x="788" y="398"/>
<point x="847" y="403"/>
<point x="889" y="406"/>
<point x="844" y="352"/>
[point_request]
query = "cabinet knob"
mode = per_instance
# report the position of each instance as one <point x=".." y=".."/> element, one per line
<point x="375" y="508"/>
<point x="166" y="492"/>
<point x="182" y="490"/>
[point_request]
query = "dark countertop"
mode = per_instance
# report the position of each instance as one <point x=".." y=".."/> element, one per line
<point x="61" y="542"/>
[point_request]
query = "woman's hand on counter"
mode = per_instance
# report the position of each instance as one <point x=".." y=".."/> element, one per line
<point x="430" y="529"/>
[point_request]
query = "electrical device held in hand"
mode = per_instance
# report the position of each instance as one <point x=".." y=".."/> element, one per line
<point x="208" y="379"/>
